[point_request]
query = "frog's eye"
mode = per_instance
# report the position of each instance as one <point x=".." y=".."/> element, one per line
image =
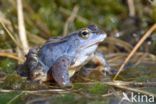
<point x="84" y="34"/>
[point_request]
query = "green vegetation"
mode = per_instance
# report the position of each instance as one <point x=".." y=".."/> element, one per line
<point x="47" y="18"/>
<point x="6" y="97"/>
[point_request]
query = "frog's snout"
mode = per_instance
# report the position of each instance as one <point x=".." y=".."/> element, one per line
<point x="102" y="36"/>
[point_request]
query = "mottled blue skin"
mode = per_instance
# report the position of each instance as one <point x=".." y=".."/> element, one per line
<point x="70" y="46"/>
<point x="57" y="56"/>
<point x="50" y="52"/>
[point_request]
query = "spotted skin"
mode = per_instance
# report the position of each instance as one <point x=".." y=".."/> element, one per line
<point x="59" y="58"/>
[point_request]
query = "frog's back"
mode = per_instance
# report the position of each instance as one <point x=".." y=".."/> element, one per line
<point x="50" y="52"/>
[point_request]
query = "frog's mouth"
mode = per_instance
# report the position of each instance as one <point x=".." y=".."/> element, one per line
<point x="90" y="45"/>
<point x="94" y="41"/>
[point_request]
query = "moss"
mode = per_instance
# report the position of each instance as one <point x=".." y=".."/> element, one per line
<point x="64" y="99"/>
<point x="98" y="89"/>
<point x="48" y="16"/>
<point x="80" y="24"/>
<point x="78" y="86"/>
<point x="3" y="43"/>
<point x="7" y="65"/>
<point x="92" y="11"/>
<point x="13" y="81"/>
<point x="6" y="97"/>
<point x="68" y="98"/>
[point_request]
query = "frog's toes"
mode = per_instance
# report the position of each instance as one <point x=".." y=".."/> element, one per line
<point x="63" y="81"/>
<point x="66" y="85"/>
<point x="109" y="71"/>
<point x="39" y="76"/>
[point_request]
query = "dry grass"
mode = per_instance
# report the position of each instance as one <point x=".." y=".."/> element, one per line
<point x="145" y="36"/>
<point x="116" y="58"/>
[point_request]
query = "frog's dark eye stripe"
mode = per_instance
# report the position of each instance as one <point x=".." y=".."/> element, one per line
<point x="84" y="34"/>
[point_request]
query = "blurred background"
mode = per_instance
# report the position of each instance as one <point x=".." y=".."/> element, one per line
<point x="125" y="22"/>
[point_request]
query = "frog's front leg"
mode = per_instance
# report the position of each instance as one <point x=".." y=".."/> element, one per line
<point x="59" y="71"/>
<point x="99" y="58"/>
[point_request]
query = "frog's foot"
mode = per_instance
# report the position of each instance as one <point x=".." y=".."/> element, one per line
<point x="39" y="76"/>
<point x="59" y="71"/>
<point x="100" y="59"/>
<point x="85" y="72"/>
<point x="107" y="70"/>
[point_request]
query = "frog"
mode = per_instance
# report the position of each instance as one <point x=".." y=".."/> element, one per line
<point x="60" y="58"/>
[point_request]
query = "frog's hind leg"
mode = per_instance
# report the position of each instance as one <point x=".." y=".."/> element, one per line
<point x="37" y="70"/>
<point x="39" y="74"/>
<point x="30" y="63"/>
<point x="59" y="72"/>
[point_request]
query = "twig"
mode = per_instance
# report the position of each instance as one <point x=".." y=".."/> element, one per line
<point x="140" y="59"/>
<point x="9" y="55"/>
<point x="106" y="95"/>
<point x="131" y="8"/>
<point x="153" y="2"/>
<point x="10" y="35"/>
<point x="21" y="27"/>
<point x="14" y="98"/>
<point x="3" y="19"/>
<point x="36" y="91"/>
<point x="118" y="84"/>
<point x="119" y="42"/>
<point x="32" y="38"/>
<point x="70" y="19"/>
<point x="147" y="34"/>
<point x="68" y="12"/>
<point x="38" y="99"/>
<point x="123" y="85"/>
<point x="135" y="84"/>
<point x="37" y="20"/>
<point x="136" y="90"/>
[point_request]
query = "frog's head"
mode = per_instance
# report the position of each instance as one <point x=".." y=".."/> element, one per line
<point x="90" y="36"/>
<point x="87" y="38"/>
